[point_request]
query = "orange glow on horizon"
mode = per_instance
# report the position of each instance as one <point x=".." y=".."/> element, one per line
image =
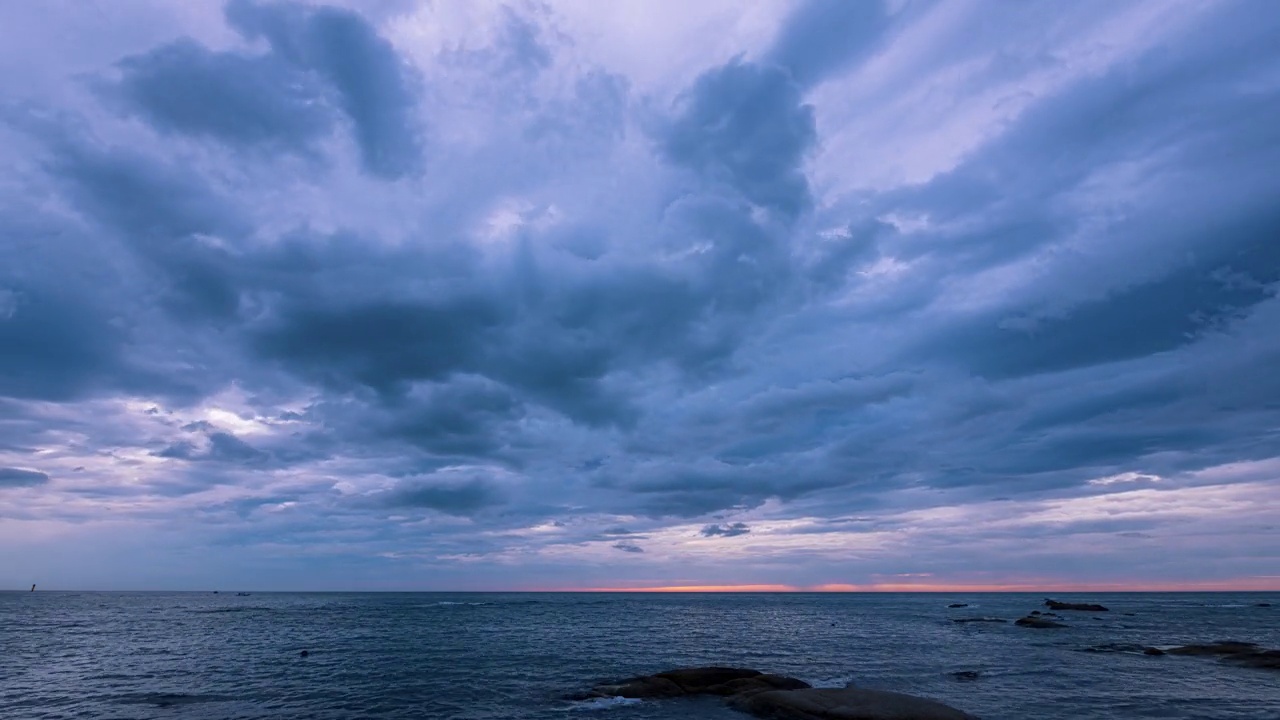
<point x="1252" y="584"/>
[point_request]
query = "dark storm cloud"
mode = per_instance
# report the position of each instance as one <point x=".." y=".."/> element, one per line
<point x="17" y="477"/>
<point x="239" y="99"/>
<point x="374" y="85"/>
<point x="59" y="345"/>
<point x="823" y="37"/>
<point x="728" y="530"/>
<point x="700" y="328"/>
<point x="452" y="498"/>
<point x="746" y="125"/>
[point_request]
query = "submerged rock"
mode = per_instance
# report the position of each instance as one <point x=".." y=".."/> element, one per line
<point x="1088" y="607"/>
<point x="1037" y="622"/>
<point x="1130" y="648"/>
<point x="966" y="675"/>
<point x="1222" y="647"/>
<point x="979" y="620"/>
<point x="698" y="681"/>
<point x="844" y="704"/>
<point x="958" y="605"/>
<point x="1245" y="654"/>
<point x="777" y="697"/>
<point x="1269" y="659"/>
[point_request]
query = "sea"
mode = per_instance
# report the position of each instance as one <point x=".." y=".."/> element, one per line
<point x="519" y="656"/>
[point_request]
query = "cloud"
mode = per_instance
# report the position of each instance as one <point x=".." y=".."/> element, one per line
<point x="373" y="83"/>
<point x="18" y="477"/>
<point x="399" y="294"/>
<point x="822" y="37"/>
<point x="252" y="101"/>
<point x="746" y="126"/>
<point x="728" y="530"/>
<point x="452" y="498"/>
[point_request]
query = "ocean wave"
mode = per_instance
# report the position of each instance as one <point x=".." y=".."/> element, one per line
<point x="604" y="703"/>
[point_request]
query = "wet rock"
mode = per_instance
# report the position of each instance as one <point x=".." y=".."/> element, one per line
<point x="757" y="684"/>
<point x="979" y="620"/>
<point x="776" y="697"/>
<point x="698" y="681"/>
<point x="1222" y="647"/>
<point x="1269" y="659"/>
<point x="1131" y="648"/>
<point x="1037" y="622"/>
<point x="1245" y="654"/>
<point x="844" y="704"/>
<point x="958" y="605"/>
<point x="641" y="687"/>
<point x="1087" y="607"/>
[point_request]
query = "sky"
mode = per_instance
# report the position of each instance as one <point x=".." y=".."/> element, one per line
<point x="784" y="294"/>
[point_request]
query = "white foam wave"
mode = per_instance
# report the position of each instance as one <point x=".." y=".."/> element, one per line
<point x="604" y="703"/>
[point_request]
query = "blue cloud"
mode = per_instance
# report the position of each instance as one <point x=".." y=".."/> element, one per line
<point x="18" y="477"/>
<point x="746" y="125"/>
<point x="374" y="85"/>
<point x="823" y="37"/>
<point x="244" y="100"/>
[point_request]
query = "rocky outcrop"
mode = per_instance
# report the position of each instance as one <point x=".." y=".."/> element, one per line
<point x="1131" y="648"/>
<point x="1037" y="622"/>
<point x="697" y="681"/>
<point x="844" y="704"/>
<point x="1087" y="607"/>
<point x="1222" y="647"/>
<point x="777" y="697"/>
<point x="1234" y="652"/>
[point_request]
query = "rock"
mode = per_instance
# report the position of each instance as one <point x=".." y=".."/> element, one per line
<point x="958" y="605"/>
<point x="1035" y="612"/>
<point x="1269" y="659"/>
<point x="1088" y="607"/>
<point x="698" y="681"/>
<point x="1035" y="622"/>
<point x="1222" y="647"/>
<point x="979" y="619"/>
<point x="757" y="684"/>
<point x="1125" y="648"/>
<point x="966" y="675"/>
<point x="641" y="687"/>
<point x="844" y="704"/>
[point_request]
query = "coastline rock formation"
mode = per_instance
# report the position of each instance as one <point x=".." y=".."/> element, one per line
<point x="1234" y="652"/>
<point x="1037" y="622"/>
<point x="1088" y="607"/>
<point x="777" y="697"/>
<point x="844" y="704"/>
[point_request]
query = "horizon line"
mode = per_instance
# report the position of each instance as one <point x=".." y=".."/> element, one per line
<point x="922" y="589"/>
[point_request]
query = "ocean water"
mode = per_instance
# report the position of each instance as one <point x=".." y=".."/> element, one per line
<point x="516" y="656"/>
